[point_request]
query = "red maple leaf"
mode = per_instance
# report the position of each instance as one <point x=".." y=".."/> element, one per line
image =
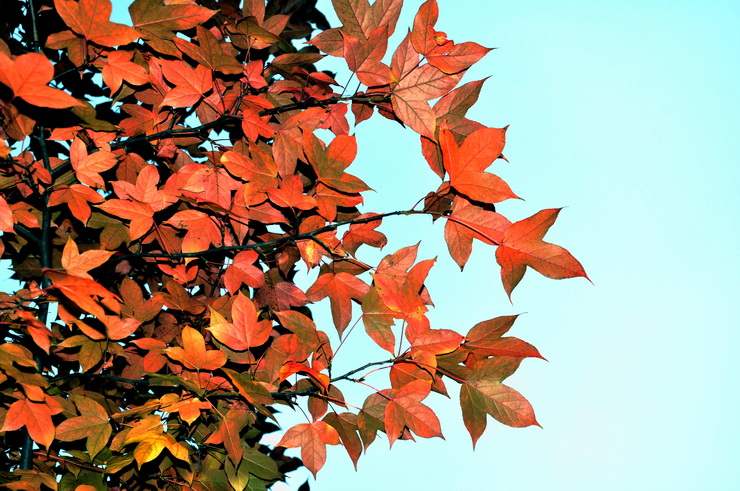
<point x="193" y="354"/>
<point x="522" y="246"/>
<point x="91" y="19"/>
<point x="313" y="439"/>
<point x="246" y="331"/>
<point x="341" y="288"/>
<point x="28" y="75"/>
<point x="466" y="164"/>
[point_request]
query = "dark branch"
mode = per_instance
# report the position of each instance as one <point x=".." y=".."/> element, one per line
<point x="271" y="243"/>
<point x="199" y="130"/>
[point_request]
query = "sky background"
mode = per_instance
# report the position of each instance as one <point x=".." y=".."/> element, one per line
<point x="627" y="114"/>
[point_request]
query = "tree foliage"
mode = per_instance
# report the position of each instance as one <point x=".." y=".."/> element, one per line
<point x="161" y="185"/>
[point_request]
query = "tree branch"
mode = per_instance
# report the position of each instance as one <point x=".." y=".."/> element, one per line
<point x="96" y="376"/>
<point x="347" y="376"/>
<point x="198" y="130"/>
<point x="275" y="242"/>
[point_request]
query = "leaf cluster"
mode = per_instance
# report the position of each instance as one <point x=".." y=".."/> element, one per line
<point x="161" y="185"/>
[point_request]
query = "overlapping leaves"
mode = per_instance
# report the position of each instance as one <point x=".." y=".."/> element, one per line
<point x="169" y="224"/>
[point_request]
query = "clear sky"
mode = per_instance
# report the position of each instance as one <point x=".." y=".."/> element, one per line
<point x="626" y="113"/>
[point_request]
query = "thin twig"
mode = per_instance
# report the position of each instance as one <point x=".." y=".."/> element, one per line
<point x="275" y="242"/>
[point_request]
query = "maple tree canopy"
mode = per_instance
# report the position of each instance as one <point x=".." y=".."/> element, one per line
<point x="162" y="183"/>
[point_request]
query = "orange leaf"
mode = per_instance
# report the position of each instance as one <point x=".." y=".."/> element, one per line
<point x="6" y="216"/>
<point x="92" y="424"/>
<point x="88" y="167"/>
<point x="28" y="76"/>
<point x="35" y="416"/>
<point x="120" y="68"/>
<point x="468" y="222"/>
<point x="363" y="57"/>
<point x="466" y="164"/>
<point x="140" y="215"/>
<point x="78" y="264"/>
<point x="243" y="271"/>
<point x="209" y="53"/>
<point x="486" y="338"/>
<point x="483" y="393"/>
<point x="77" y="197"/>
<point x="156" y="20"/>
<point x="193" y="354"/>
<point x="346" y="426"/>
<point x="246" y="331"/>
<point x="82" y="292"/>
<point x="290" y="195"/>
<point x="191" y="84"/>
<point x="378" y="320"/>
<point x="292" y="368"/>
<point x="91" y="19"/>
<point x="312" y="438"/>
<point x="422" y="36"/>
<point x="456" y="58"/>
<point x="405" y="410"/>
<point x="341" y="288"/>
<point x="523" y="246"/>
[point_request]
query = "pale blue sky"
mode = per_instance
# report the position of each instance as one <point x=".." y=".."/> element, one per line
<point x="626" y="113"/>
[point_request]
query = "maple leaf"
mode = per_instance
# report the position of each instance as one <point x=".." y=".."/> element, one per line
<point x="77" y="197"/>
<point x="209" y="53"/>
<point x="341" y="288"/>
<point x="436" y="341"/>
<point x="39" y="332"/>
<point x="140" y="214"/>
<point x="206" y="183"/>
<point x="290" y="194"/>
<point x="6" y="217"/>
<point x="292" y="368"/>
<point x="312" y="438"/>
<point x="151" y="441"/>
<point x="422" y="35"/>
<point x="262" y="174"/>
<point x="145" y="189"/>
<point x="82" y="292"/>
<point x="246" y="331"/>
<point x="402" y="293"/>
<point x="363" y="233"/>
<point x="89" y="166"/>
<point x="363" y="57"/>
<point x="28" y="75"/>
<point x="457" y="102"/>
<point x="91" y="19"/>
<point x="483" y="393"/>
<point x="34" y="411"/>
<point x="330" y="162"/>
<point x="466" y="164"/>
<point x="405" y="410"/>
<point x="190" y="84"/>
<point x="522" y="246"/>
<point x="203" y="230"/>
<point x="468" y="222"/>
<point x="92" y="424"/>
<point x="193" y="354"/>
<point x="179" y="299"/>
<point x="243" y="271"/>
<point x="120" y="67"/>
<point x="378" y="320"/>
<point x="486" y="338"/>
<point x="346" y="425"/>
<point x="454" y="58"/>
<point x="78" y="264"/>
<point x="155" y="20"/>
<point x="228" y="434"/>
